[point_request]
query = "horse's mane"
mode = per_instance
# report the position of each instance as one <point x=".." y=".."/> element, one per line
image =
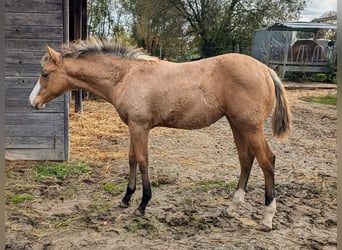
<point x="100" y="46"/>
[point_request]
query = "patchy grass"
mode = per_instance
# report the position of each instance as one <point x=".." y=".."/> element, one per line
<point x="328" y="99"/>
<point x="151" y="226"/>
<point x="100" y="206"/>
<point x="62" y="223"/>
<point x="208" y="185"/>
<point x="114" y="189"/>
<point x="156" y="183"/>
<point x="61" y="169"/>
<point x="160" y="181"/>
<point x="19" y="198"/>
<point x="217" y="184"/>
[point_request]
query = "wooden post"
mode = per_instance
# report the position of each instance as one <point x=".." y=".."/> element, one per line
<point x="78" y="30"/>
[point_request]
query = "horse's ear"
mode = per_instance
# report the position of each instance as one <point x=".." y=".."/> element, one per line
<point x="55" y="56"/>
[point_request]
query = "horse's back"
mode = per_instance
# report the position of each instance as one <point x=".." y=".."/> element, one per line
<point x="233" y="71"/>
<point x="196" y="94"/>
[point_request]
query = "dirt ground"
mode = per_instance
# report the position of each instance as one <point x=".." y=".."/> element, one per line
<point x="194" y="174"/>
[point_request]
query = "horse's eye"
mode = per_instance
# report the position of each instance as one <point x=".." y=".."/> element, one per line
<point x="45" y="75"/>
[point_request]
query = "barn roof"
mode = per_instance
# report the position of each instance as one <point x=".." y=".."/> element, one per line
<point x="301" y="26"/>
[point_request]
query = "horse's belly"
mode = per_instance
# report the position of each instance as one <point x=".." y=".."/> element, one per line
<point x="186" y="107"/>
<point x="192" y="119"/>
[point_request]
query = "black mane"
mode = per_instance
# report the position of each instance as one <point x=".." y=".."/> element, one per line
<point x="100" y="46"/>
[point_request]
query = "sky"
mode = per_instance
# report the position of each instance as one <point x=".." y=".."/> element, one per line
<point x="315" y="9"/>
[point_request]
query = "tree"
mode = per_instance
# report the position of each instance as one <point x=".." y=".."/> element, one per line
<point x="106" y="18"/>
<point x="156" y="27"/>
<point x="175" y="27"/>
<point x="220" y="25"/>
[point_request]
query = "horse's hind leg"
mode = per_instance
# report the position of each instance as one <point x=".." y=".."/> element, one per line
<point x="246" y="158"/>
<point x="251" y="144"/>
<point x="266" y="160"/>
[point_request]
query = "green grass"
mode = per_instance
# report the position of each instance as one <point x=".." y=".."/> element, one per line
<point x="99" y="205"/>
<point x="62" y="223"/>
<point x="156" y="183"/>
<point x="152" y="226"/>
<point x="328" y="99"/>
<point x="329" y="77"/>
<point x="114" y="189"/>
<point x="20" y="198"/>
<point x="61" y="169"/>
<point x="208" y="185"/>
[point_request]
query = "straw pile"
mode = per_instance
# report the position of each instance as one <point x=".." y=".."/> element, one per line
<point x="95" y="133"/>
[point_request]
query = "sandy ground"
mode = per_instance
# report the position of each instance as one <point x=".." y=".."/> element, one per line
<point x="194" y="174"/>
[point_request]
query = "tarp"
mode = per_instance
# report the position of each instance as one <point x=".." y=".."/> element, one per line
<point x="281" y="35"/>
<point x="263" y="38"/>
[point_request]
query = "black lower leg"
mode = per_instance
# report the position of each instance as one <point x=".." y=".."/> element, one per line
<point x="127" y="198"/>
<point x="147" y="195"/>
<point x="269" y="187"/>
<point x="269" y="198"/>
<point x="246" y="166"/>
<point x="243" y="183"/>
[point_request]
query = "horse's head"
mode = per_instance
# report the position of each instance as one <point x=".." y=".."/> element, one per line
<point x="52" y="81"/>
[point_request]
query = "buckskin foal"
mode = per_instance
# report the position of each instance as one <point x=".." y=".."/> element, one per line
<point x="148" y="92"/>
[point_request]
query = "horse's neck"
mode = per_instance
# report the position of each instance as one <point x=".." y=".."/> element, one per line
<point x="95" y="77"/>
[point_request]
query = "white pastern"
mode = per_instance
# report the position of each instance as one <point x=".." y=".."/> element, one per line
<point x="269" y="213"/>
<point x="34" y="93"/>
<point x="238" y="198"/>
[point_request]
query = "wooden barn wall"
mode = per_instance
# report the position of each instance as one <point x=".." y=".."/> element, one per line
<point x="32" y="134"/>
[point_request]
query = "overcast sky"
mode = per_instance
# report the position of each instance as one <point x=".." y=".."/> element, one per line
<point x="315" y="8"/>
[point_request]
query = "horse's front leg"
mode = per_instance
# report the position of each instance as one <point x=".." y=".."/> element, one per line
<point x="139" y="140"/>
<point x="132" y="177"/>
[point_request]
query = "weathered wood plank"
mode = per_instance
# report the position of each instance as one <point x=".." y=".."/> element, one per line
<point x="33" y="119"/>
<point x="35" y="154"/>
<point x="30" y="44"/>
<point x="33" y="6"/>
<point x="24" y="57"/>
<point x="16" y="93"/>
<point x="23" y="105"/>
<point x="20" y="94"/>
<point x="38" y="19"/>
<point x="32" y="134"/>
<point x="21" y="82"/>
<point x="30" y="142"/>
<point x="34" y="32"/>
<point x="312" y="69"/>
<point x="22" y="70"/>
<point x="25" y="130"/>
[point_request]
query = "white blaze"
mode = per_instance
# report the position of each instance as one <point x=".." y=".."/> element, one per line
<point x="34" y="93"/>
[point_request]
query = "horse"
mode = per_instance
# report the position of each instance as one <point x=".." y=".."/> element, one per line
<point x="147" y="92"/>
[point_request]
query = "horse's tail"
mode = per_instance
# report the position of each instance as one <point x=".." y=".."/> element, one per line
<point x="281" y="119"/>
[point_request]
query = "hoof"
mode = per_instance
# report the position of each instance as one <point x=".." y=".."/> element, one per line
<point x="264" y="228"/>
<point x="139" y="212"/>
<point x="124" y="204"/>
<point x="228" y="214"/>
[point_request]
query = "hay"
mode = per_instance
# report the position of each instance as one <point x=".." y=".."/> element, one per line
<point x="94" y="134"/>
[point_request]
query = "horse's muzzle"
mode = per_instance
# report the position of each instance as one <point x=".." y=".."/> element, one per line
<point x="37" y="106"/>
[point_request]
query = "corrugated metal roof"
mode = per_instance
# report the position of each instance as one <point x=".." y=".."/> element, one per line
<point x="302" y="26"/>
